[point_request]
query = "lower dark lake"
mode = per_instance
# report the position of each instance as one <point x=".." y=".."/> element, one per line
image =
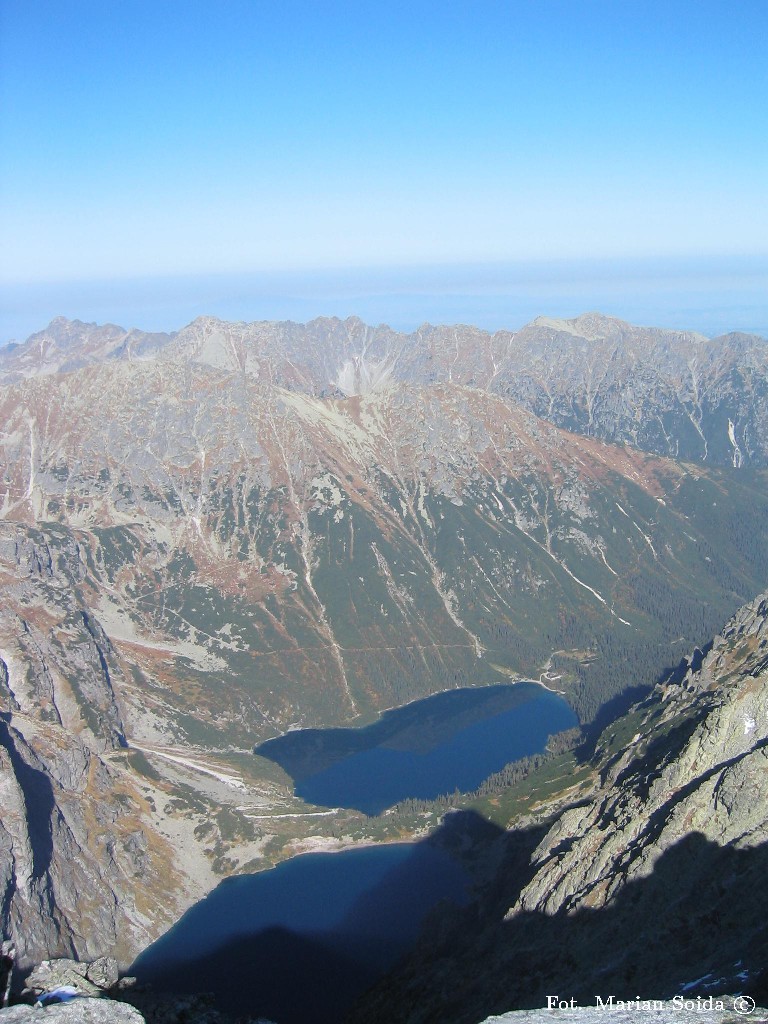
<point x="299" y="942"/>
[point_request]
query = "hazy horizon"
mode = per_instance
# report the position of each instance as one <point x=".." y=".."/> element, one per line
<point x="709" y="296"/>
<point x="481" y="162"/>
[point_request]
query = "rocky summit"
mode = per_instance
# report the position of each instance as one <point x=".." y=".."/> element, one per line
<point x="212" y="537"/>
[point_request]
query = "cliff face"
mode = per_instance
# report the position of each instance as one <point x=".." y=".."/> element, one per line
<point x="696" y="764"/>
<point x="75" y="853"/>
<point x="654" y="883"/>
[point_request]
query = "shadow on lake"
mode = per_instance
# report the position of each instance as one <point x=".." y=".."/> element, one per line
<point x="300" y="942"/>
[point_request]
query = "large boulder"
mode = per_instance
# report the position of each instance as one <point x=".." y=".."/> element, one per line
<point x="90" y="979"/>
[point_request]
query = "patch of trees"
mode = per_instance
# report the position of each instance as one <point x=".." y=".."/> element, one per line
<point x="510" y="775"/>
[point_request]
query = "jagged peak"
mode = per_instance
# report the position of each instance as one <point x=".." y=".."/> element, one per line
<point x="592" y="325"/>
<point x="62" y="324"/>
<point x="334" y="322"/>
<point x="203" y="321"/>
<point x="596" y="326"/>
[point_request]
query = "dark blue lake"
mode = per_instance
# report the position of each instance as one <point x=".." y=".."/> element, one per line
<point x="299" y="942"/>
<point x="450" y="741"/>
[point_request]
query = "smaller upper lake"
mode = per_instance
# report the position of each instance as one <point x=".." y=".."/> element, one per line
<point x="450" y="741"/>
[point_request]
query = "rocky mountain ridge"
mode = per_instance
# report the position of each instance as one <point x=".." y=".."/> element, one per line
<point x="672" y="393"/>
<point x="359" y="552"/>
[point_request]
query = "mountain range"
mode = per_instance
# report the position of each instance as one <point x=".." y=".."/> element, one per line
<point x="672" y="393"/>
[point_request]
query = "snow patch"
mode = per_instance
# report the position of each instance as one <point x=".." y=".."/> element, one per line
<point x="738" y="458"/>
<point x="326" y="489"/>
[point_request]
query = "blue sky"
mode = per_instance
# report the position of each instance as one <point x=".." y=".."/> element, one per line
<point x="200" y="140"/>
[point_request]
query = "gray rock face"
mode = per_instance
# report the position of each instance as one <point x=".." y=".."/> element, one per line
<point x="71" y="836"/>
<point x="78" y="1011"/>
<point x="7" y="964"/>
<point x="92" y="979"/>
<point x="52" y="841"/>
<point x="720" y="1011"/>
<point x="709" y="779"/>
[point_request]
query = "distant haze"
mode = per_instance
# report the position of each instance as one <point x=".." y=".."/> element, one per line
<point x="503" y="142"/>
<point x="707" y="295"/>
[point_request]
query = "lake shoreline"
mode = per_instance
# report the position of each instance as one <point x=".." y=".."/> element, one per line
<point x="452" y="741"/>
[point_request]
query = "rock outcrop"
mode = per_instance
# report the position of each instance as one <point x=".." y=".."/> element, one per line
<point x="89" y="979"/>
<point x="725" y="1010"/>
<point x="78" y="1011"/>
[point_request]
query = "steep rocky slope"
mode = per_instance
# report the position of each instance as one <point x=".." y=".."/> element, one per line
<point x="80" y="869"/>
<point x="653" y="883"/>
<point x="335" y="557"/>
